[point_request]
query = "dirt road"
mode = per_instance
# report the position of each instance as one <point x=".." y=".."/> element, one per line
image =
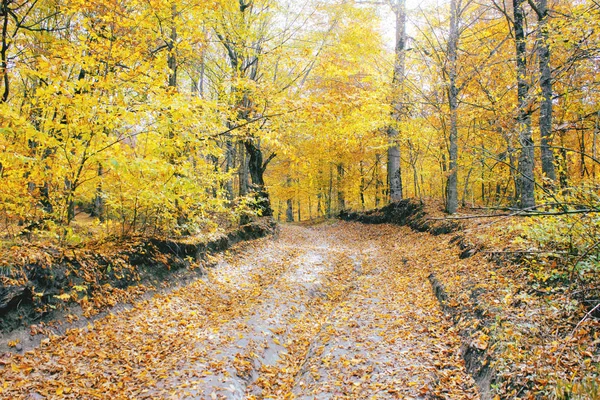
<point x="340" y="310"/>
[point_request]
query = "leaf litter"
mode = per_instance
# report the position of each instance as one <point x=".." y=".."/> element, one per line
<point x="334" y="311"/>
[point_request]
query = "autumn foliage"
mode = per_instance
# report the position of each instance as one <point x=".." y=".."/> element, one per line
<point x="122" y="121"/>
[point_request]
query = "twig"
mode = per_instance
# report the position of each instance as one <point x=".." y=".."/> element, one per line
<point x="523" y="251"/>
<point x="585" y="317"/>
<point x="580" y="258"/>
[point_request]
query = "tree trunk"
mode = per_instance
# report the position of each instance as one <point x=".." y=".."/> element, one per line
<point x="444" y="167"/>
<point x="340" y="183"/>
<point x="244" y="66"/>
<point x="256" y="169"/>
<point x="452" y="189"/>
<point x="378" y="182"/>
<point x="514" y="174"/>
<point x="279" y="211"/>
<point x="319" y="206"/>
<point x="526" y="155"/>
<point x="289" y="213"/>
<point x="482" y="162"/>
<point x="582" y="154"/>
<point x="243" y="171"/>
<point x="172" y="58"/>
<point x="98" y="206"/>
<point x="330" y="190"/>
<point x="229" y="165"/>
<point x="563" y="175"/>
<point x="361" y="188"/>
<point x="595" y="145"/>
<point x="466" y="188"/>
<point x="394" y="170"/>
<point x="548" y="168"/>
<point x="4" y="51"/>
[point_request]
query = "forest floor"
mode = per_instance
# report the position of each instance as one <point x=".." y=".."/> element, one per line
<point x="338" y="310"/>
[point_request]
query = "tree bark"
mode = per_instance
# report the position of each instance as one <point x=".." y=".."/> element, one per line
<point x="526" y="155"/>
<point x="256" y="169"/>
<point x="361" y="187"/>
<point x="340" y="193"/>
<point x="98" y="205"/>
<point x="394" y="169"/>
<point x="229" y="165"/>
<point x="547" y="155"/>
<point x="563" y="176"/>
<point x="452" y="184"/>
<point x="320" y="212"/>
<point x="243" y="171"/>
<point x="4" y="12"/>
<point x="595" y="144"/>
<point x="172" y="58"/>
<point x="289" y="213"/>
<point x="378" y="182"/>
<point x="330" y="190"/>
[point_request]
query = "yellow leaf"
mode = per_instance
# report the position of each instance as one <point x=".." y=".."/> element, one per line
<point x="63" y="297"/>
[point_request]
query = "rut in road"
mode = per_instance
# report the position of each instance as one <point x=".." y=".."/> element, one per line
<point x="335" y="311"/>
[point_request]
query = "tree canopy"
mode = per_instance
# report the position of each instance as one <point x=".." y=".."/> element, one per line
<point x="168" y="115"/>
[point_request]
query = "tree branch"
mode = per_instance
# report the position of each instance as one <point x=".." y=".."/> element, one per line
<point x="535" y="8"/>
<point x="523" y="213"/>
<point x="268" y="160"/>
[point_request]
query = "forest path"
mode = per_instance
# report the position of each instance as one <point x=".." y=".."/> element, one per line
<point x="334" y="311"/>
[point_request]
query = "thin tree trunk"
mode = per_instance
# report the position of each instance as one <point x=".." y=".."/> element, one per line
<point x="563" y="175"/>
<point x="361" y="188"/>
<point x="466" y="188"/>
<point x="444" y="168"/>
<point x="70" y="201"/>
<point x="330" y="190"/>
<point x="340" y="191"/>
<point x="243" y="171"/>
<point x="98" y="206"/>
<point x="512" y="164"/>
<point x="376" y="178"/>
<point x="200" y="84"/>
<point x="279" y="207"/>
<point x="172" y="58"/>
<point x="582" y="154"/>
<point x="289" y="213"/>
<point x="482" y="161"/>
<point x="229" y="165"/>
<point x="319" y="206"/>
<point x="394" y="169"/>
<point x="4" y="51"/>
<point x="595" y="145"/>
<point x="416" y="180"/>
<point x="526" y="154"/>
